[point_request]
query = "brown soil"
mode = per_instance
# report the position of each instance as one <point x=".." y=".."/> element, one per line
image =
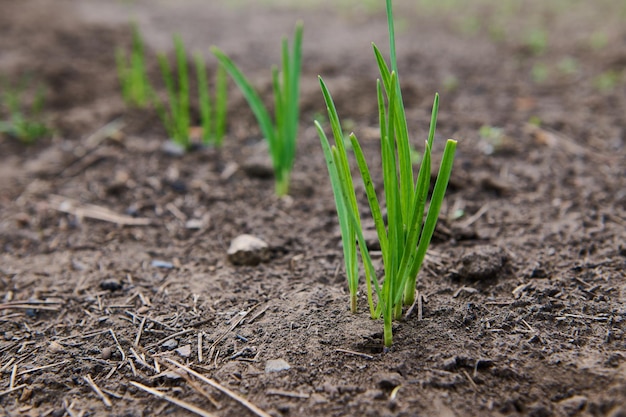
<point x="524" y="294"/>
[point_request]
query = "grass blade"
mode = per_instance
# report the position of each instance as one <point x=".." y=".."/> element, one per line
<point x="281" y="134"/>
<point x="204" y="99"/>
<point x="221" y="104"/>
<point x="441" y="184"/>
<point x="347" y="230"/>
<point x="181" y="115"/>
<point x="250" y="94"/>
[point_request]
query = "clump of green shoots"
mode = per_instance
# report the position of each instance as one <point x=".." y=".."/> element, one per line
<point x="131" y="71"/>
<point x="177" y="117"/>
<point x="22" y="120"/>
<point x="212" y="117"/>
<point x="406" y="235"/>
<point x="280" y="133"/>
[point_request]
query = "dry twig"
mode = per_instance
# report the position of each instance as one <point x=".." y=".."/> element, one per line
<point x="91" y="211"/>
<point x="98" y="391"/>
<point x="182" y="404"/>
<point x="256" y="410"/>
<point x="351" y="352"/>
<point x="10" y="390"/>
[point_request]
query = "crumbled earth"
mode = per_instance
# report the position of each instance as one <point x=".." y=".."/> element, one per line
<point x="113" y="256"/>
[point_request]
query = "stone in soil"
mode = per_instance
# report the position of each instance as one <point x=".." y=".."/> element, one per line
<point x="276" y="365"/>
<point x="111" y="285"/>
<point x="258" y="166"/>
<point x="170" y="344"/>
<point x="184" y="351"/>
<point x="247" y="250"/>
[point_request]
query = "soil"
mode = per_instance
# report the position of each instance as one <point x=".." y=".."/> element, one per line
<point x="523" y="290"/>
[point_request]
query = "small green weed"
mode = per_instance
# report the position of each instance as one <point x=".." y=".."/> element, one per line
<point x="537" y="41"/>
<point x="20" y="119"/>
<point x="131" y="72"/>
<point x="607" y="81"/>
<point x="280" y="133"/>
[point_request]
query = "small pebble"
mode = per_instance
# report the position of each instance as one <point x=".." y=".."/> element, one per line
<point x="184" y="351"/>
<point x="161" y="264"/>
<point x="170" y="344"/>
<point x="111" y="284"/>
<point x="194" y="224"/>
<point x="106" y="353"/>
<point x="59" y="412"/>
<point x="172" y="375"/>
<point x="276" y="365"/>
<point x="259" y="165"/>
<point x="247" y="250"/>
<point x="371" y="239"/>
<point x="172" y="148"/>
<point x="55" y="347"/>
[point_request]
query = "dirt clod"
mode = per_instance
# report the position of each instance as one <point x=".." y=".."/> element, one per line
<point x="387" y="380"/>
<point x="572" y="405"/>
<point x="482" y="263"/>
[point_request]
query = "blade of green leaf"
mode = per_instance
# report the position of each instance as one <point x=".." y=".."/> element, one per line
<point x="250" y="94"/>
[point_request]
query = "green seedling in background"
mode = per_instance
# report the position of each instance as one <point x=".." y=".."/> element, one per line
<point x="131" y="71"/>
<point x="450" y="83"/>
<point x="407" y="234"/>
<point x="534" y="121"/>
<point x="176" y="119"/>
<point x="539" y="72"/>
<point x="22" y="121"/>
<point x="607" y="81"/>
<point x="598" y="40"/>
<point x="537" y="41"/>
<point x="493" y="139"/>
<point x="212" y="116"/>
<point x="568" y="66"/>
<point x="281" y="133"/>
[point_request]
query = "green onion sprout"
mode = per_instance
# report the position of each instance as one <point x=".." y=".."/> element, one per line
<point x="280" y="133"/>
<point x="411" y="222"/>
<point x="131" y="71"/>
<point x="20" y="120"/>
<point x="212" y="117"/>
<point x="177" y="119"/>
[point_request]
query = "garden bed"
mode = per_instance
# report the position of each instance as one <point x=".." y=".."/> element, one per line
<point x="113" y="251"/>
